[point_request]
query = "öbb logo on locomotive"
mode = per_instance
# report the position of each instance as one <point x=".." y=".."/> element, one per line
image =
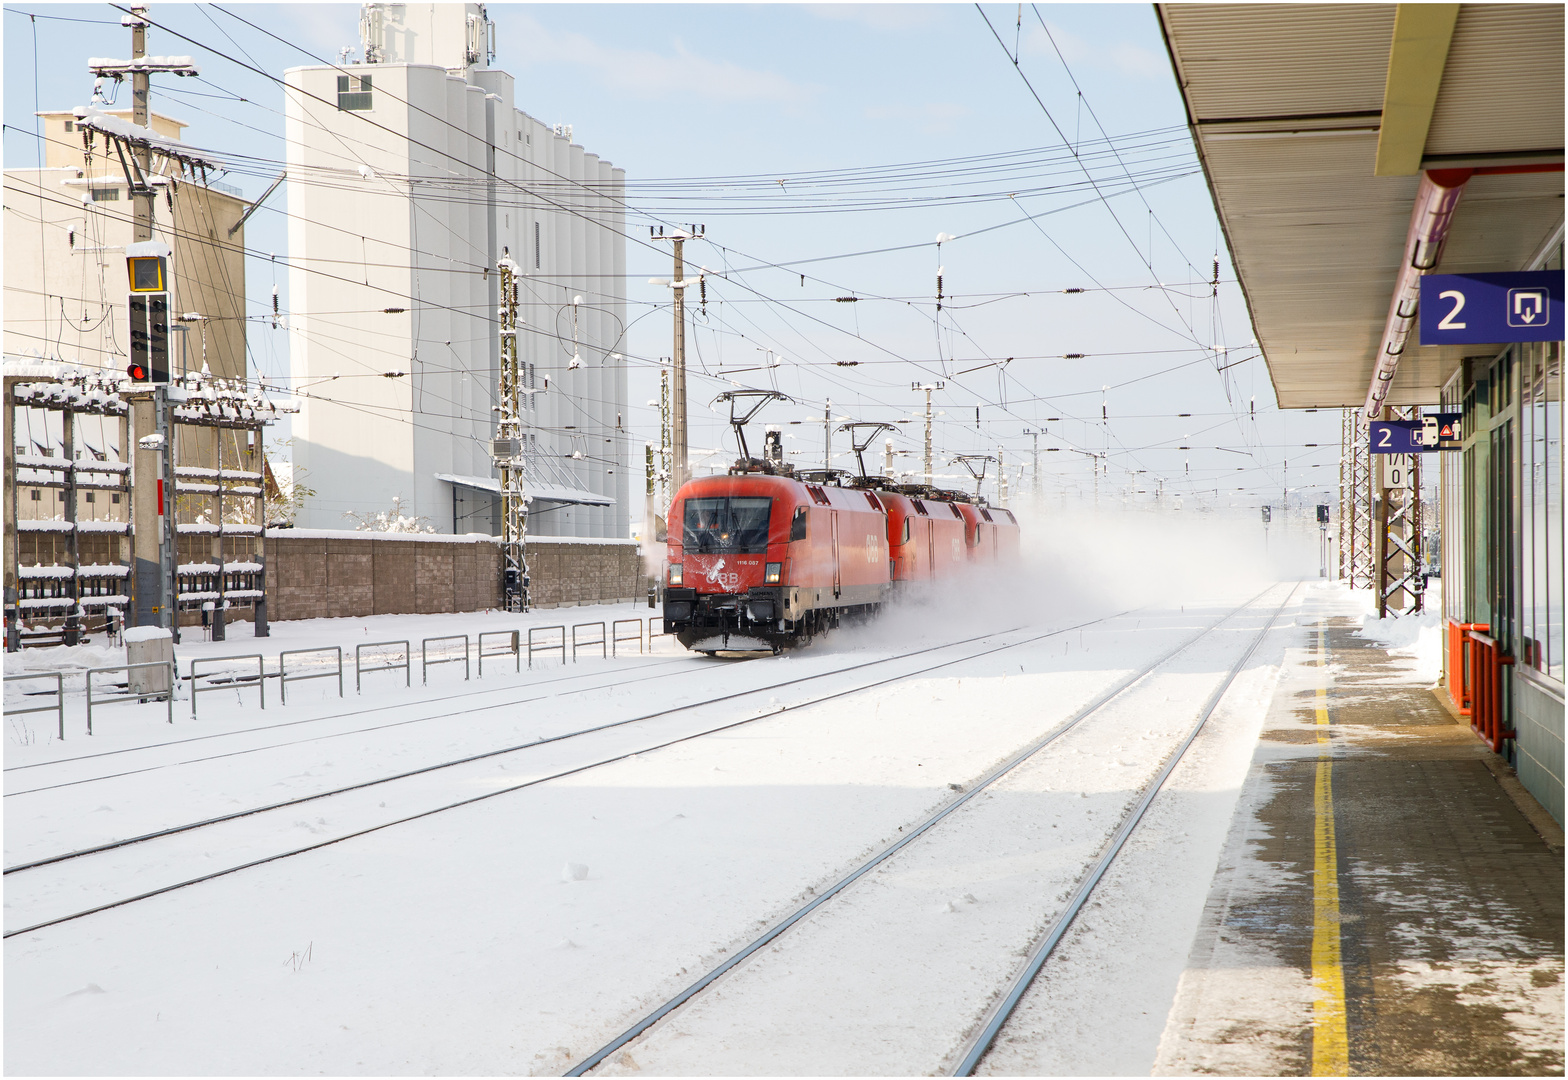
<point x="761" y="560"/>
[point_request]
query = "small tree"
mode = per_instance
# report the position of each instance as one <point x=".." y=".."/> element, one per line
<point x="395" y="520"/>
<point x="281" y="498"/>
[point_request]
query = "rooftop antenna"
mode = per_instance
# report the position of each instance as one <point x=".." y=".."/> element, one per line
<point x="872" y="430"/>
<point x="744" y="404"/>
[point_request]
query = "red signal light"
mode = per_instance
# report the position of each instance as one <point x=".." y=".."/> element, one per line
<point x="137" y="372"/>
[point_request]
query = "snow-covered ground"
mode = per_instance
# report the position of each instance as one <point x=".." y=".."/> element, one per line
<point x="588" y="877"/>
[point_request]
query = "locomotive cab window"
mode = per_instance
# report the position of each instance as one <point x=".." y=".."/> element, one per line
<point x="727" y="525"/>
<point x="797" y="526"/>
<point x="906" y="530"/>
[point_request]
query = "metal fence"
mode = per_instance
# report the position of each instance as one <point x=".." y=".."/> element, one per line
<point x="541" y="640"/>
<point x="407" y="666"/>
<point x="138" y="695"/>
<point x="284" y="678"/>
<point x="426" y="663"/>
<point x="600" y="641"/>
<point x="59" y="697"/>
<point x="235" y="681"/>
<point x="513" y="641"/>
<point x="617" y="638"/>
<point x="559" y="644"/>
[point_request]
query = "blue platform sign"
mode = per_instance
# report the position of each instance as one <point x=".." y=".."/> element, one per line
<point x="1488" y="309"/>
<point x="1434" y="431"/>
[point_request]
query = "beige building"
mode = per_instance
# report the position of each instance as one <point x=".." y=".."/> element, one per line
<point x="66" y="227"/>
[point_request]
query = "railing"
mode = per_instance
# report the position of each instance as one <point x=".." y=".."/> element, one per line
<point x="1458" y="675"/>
<point x="599" y="641"/>
<point x="234" y="683"/>
<point x="544" y="646"/>
<point x="59" y="697"/>
<point x="424" y="655"/>
<point x="513" y="641"/>
<point x="406" y="667"/>
<point x="491" y="643"/>
<point x="616" y="637"/>
<point x="167" y="695"/>
<point x="284" y="678"/>
<point x="1486" y="662"/>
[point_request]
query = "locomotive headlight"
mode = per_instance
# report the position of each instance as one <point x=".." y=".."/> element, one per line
<point x="675" y="573"/>
<point x="772" y="572"/>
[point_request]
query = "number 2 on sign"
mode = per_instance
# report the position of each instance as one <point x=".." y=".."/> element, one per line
<point x="1397" y="470"/>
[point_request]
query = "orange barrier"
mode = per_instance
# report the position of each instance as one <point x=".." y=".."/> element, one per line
<point x="1458" y="674"/>
<point x="1486" y="660"/>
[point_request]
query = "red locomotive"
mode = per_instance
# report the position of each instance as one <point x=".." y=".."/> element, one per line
<point x="764" y="558"/>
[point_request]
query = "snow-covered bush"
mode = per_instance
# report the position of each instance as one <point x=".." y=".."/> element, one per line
<point x="394" y="520"/>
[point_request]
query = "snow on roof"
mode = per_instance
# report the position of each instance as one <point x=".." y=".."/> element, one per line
<point x="531" y="490"/>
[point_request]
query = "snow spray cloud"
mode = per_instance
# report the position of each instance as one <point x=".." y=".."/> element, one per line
<point x="1083" y="564"/>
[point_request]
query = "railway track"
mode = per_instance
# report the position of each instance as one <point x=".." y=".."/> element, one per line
<point x="990" y="1015"/>
<point x="77" y="867"/>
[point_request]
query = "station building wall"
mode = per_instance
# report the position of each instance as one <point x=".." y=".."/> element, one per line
<point x="1503" y="541"/>
<point x="323" y="574"/>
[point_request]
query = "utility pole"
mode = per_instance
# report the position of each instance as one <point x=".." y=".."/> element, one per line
<point x="1001" y="478"/>
<point x="1036" y="435"/>
<point x="153" y="533"/>
<point x="507" y="449"/>
<point x="666" y="436"/>
<point x="827" y="436"/>
<point x="887" y="460"/>
<point x="928" y="387"/>
<point x="141" y="84"/>
<point x="681" y="466"/>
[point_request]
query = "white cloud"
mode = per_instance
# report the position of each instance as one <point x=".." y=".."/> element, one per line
<point x="1123" y="56"/>
<point x="655" y="75"/>
<point x="935" y="118"/>
<point x="882" y="16"/>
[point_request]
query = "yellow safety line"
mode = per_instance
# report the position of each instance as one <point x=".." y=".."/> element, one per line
<point x="1330" y="1040"/>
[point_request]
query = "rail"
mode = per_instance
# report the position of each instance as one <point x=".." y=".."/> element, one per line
<point x="1459" y="663"/>
<point x="544" y="646"/>
<point x="425" y="663"/>
<point x="406" y="667"/>
<point x="130" y="695"/>
<point x="235" y="683"/>
<point x="513" y="648"/>
<point x="59" y="697"/>
<point x="617" y="638"/>
<point x="284" y="678"/>
<point x="1486" y="661"/>
<point x="600" y="641"/>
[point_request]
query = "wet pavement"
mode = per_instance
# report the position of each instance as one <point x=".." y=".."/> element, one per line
<point x="1384" y="905"/>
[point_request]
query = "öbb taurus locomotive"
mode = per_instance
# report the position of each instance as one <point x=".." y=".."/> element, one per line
<point x="764" y="559"/>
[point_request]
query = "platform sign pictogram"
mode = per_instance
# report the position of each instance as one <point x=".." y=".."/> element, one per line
<point x="1488" y="309"/>
<point x="1435" y="431"/>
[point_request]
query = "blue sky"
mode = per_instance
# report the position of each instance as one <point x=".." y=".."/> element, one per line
<point x="692" y="91"/>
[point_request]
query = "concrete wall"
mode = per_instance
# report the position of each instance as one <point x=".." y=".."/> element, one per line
<point x="319" y="575"/>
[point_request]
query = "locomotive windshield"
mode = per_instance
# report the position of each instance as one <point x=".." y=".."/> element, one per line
<point x="727" y="526"/>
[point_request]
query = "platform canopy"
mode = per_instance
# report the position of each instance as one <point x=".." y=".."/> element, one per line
<point x="1313" y="123"/>
<point x="549" y="493"/>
